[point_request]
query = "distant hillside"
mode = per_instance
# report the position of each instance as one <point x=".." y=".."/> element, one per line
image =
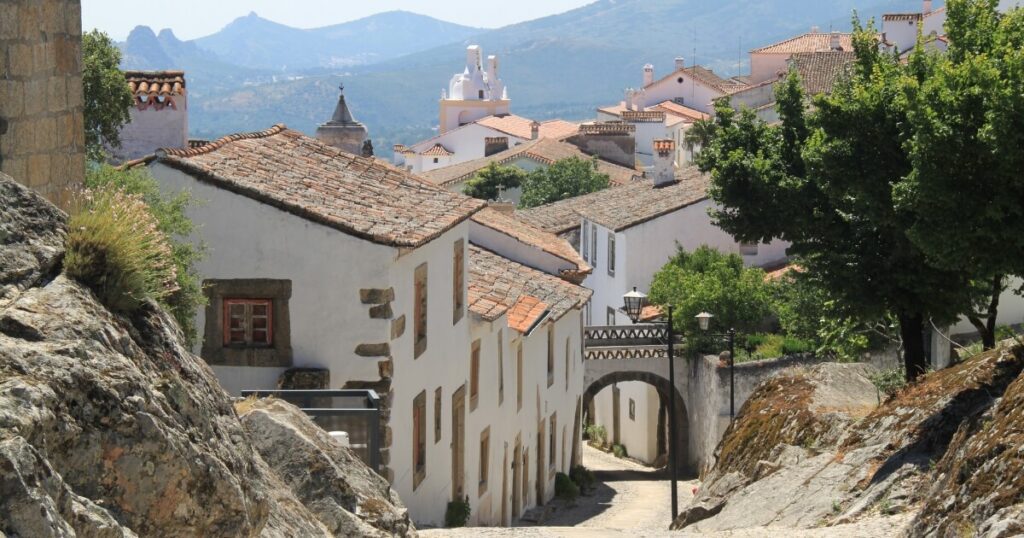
<point x="258" y="43"/>
<point x="562" y="65"/>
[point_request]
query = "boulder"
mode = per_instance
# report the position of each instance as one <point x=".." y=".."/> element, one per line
<point x="31" y="238"/>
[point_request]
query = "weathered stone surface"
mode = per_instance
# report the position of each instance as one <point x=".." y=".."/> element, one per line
<point x="340" y="487"/>
<point x="31" y="239"/>
<point x="398" y="327"/>
<point x="373" y="350"/>
<point x="376" y="295"/>
<point x="381" y="311"/>
<point x="304" y="379"/>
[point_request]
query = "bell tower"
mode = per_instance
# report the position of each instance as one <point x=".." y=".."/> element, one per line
<point x="342" y="131"/>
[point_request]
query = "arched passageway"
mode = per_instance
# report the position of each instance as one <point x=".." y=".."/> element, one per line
<point x="662" y="386"/>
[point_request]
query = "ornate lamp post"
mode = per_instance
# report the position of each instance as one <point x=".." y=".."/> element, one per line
<point x="634" y="303"/>
<point x="703" y="321"/>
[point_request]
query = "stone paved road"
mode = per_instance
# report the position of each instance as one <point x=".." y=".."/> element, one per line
<point x="633" y="502"/>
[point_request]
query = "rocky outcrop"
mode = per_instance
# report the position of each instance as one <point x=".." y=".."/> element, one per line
<point x="109" y="426"/>
<point x="801" y="452"/>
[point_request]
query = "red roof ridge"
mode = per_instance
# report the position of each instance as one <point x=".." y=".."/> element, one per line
<point x="278" y="128"/>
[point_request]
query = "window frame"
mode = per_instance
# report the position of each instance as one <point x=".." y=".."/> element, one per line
<point x="585" y="241"/>
<point x="748" y="249"/>
<point x="483" y="469"/>
<point x="501" y="368"/>
<point x="593" y="245"/>
<point x="419" y="438"/>
<point x="611" y="253"/>
<point x="474" y="374"/>
<point x="437" y="415"/>
<point x="551" y="354"/>
<point x="553" y="442"/>
<point x="247" y="304"/>
<point x="610" y="316"/>
<point x="420" y="309"/>
<point x="458" y="280"/>
<point x="519" y="375"/>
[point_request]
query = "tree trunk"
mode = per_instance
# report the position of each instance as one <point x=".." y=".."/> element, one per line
<point x="912" y="334"/>
<point x="987" y="328"/>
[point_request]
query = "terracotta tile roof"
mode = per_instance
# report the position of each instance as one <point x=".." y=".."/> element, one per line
<point x="705" y="76"/>
<point x="543" y="150"/>
<point x="527" y="311"/>
<point x="651" y="313"/>
<point x="777" y="273"/>
<point x="809" y="42"/>
<point x="162" y="83"/>
<point x="819" y="70"/>
<point x="298" y="174"/>
<point x="676" y="109"/>
<point x="497" y="284"/>
<point x="619" y="208"/>
<point x="902" y="17"/>
<point x="664" y="145"/>
<point x="401" y="148"/>
<point x="535" y="237"/>
<point x="437" y="151"/>
<point x="519" y="126"/>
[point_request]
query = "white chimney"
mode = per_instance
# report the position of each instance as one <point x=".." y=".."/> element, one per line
<point x="680" y="63"/>
<point x="629" y="99"/>
<point x="836" y="43"/>
<point x="648" y="74"/>
<point x="815" y="30"/>
<point x="927" y="7"/>
<point x="664" y="161"/>
<point x="534" y="130"/>
<point x="492" y="68"/>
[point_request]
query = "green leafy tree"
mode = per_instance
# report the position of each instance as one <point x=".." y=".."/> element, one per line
<point x="823" y="180"/>
<point x="707" y="280"/>
<point x="172" y="220"/>
<point x="563" y="179"/>
<point x="107" y="98"/>
<point x="488" y="183"/>
<point x="967" y="150"/>
<point x="699" y="135"/>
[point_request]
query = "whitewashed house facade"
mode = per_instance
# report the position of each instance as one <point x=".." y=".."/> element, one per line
<point x="158" y="117"/>
<point x="322" y="260"/>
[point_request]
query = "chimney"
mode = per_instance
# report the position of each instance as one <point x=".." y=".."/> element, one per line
<point x="495" y="144"/>
<point x="492" y="68"/>
<point x="815" y="30"/>
<point x="680" y="63"/>
<point x="664" y="161"/>
<point x="534" y="130"/>
<point x="836" y="43"/>
<point x="927" y="7"/>
<point x="648" y="74"/>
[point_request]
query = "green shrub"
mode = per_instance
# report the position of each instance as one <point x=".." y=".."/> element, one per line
<point x="619" y="451"/>
<point x="114" y="246"/>
<point x="889" y="382"/>
<point x="170" y="214"/>
<point x="565" y="488"/>
<point x="597" y="434"/>
<point x="792" y="345"/>
<point x="583" y="477"/>
<point x="457" y="514"/>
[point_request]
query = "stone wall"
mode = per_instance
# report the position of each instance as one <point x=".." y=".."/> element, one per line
<point x="42" y="138"/>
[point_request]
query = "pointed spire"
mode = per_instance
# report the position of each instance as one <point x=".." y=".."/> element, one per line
<point x="341" y="113"/>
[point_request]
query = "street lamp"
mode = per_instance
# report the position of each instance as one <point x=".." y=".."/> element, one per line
<point x="704" y="321"/>
<point x="634" y="303"/>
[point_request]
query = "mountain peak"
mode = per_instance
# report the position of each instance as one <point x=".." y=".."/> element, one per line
<point x="141" y="32"/>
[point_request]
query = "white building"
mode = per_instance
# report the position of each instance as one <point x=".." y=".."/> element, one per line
<point x="323" y="260"/>
<point x="527" y="156"/>
<point x="899" y="30"/>
<point x="475" y="93"/>
<point x="818" y="72"/>
<point x="664" y="120"/>
<point x="158" y="117"/>
<point x="627" y="234"/>
<point x="695" y="87"/>
<point x="770" y="62"/>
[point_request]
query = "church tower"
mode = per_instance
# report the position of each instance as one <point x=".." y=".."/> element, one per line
<point x="342" y="131"/>
<point x="475" y="93"/>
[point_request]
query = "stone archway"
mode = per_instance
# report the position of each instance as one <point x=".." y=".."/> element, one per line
<point x="662" y="386"/>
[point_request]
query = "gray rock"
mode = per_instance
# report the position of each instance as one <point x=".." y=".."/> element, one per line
<point x="31" y="238"/>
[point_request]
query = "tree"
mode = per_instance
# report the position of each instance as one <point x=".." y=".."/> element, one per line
<point x="967" y="151"/>
<point x="699" y="135"/>
<point x="107" y="98"/>
<point x="488" y="183"/>
<point x="707" y="280"/>
<point x="824" y="180"/>
<point x="172" y="220"/>
<point x="566" y="178"/>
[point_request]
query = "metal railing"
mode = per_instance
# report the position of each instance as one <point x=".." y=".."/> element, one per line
<point x="354" y="411"/>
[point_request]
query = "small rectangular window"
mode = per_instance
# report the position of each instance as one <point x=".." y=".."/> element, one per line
<point x="519" y="376"/>
<point x="585" y="241"/>
<point x="474" y="374"/>
<point x="485" y="459"/>
<point x="501" y="369"/>
<point x="632" y="409"/>
<point x="748" y="249"/>
<point x="551" y="354"/>
<point x="419" y="437"/>
<point x="593" y="245"/>
<point x="458" y="280"/>
<point x="553" y="442"/>
<point x="420" y="311"/>
<point x="437" y="415"/>
<point x="611" y="316"/>
<point x="435" y="160"/>
<point x="611" y="254"/>
<point x="248" y="322"/>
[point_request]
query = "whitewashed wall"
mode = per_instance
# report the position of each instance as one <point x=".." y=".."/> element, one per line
<point x="466" y="142"/>
<point x="638" y="435"/>
<point x="694" y="95"/>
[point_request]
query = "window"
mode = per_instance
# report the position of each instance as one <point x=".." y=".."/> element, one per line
<point x="551" y="354"/>
<point x="611" y="254"/>
<point x="519" y="376"/>
<point x="501" y="369"/>
<point x="748" y="249"/>
<point x="458" y="281"/>
<point x="480" y="94"/>
<point x="485" y="458"/>
<point x="567" y="364"/>
<point x="419" y="438"/>
<point x="247" y="322"/>
<point x="420" y="311"/>
<point x="585" y="241"/>
<point x="474" y="374"/>
<point x="437" y="415"/>
<point x="611" y="316"/>
<point x="590" y="313"/>
<point x="593" y="245"/>
<point x="553" y="441"/>
<point x="565" y="441"/>
<point x="632" y="409"/>
<point x="435" y="160"/>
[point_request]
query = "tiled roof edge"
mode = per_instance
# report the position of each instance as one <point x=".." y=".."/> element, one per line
<point x="566" y="274"/>
<point x="222" y="141"/>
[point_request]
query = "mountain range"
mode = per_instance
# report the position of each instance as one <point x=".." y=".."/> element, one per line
<point x="394" y="65"/>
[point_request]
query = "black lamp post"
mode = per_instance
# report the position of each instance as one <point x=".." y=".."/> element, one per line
<point x="634" y="303"/>
<point x="703" y="321"/>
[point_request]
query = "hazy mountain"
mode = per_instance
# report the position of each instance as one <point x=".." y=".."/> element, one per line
<point x="255" y="42"/>
<point x="562" y="65"/>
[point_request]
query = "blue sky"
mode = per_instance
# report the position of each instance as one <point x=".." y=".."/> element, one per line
<point x="196" y="18"/>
